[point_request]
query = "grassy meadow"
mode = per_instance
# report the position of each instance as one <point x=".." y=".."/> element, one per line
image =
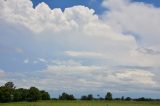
<point x="82" y="103"/>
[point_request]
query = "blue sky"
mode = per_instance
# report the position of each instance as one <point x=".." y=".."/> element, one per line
<point x="81" y="51"/>
<point x="153" y="2"/>
<point x="94" y="4"/>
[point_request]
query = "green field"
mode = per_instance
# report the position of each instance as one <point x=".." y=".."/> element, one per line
<point x="82" y="103"/>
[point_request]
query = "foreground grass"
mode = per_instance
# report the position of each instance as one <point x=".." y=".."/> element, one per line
<point x="82" y="103"/>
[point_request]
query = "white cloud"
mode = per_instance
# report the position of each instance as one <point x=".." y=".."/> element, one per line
<point x="137" y="18"/>
<point x="79" y="32"/>
<point x="26" y="61"/>
<point x="137" y="76"/>
<point x="72" y="74"/>
<point x="43" y="18"/>
<point x="84" y="54"/>
<point x="140" y="20"/>
<point x="70" y="67"/>
<point x="42" y="60"/>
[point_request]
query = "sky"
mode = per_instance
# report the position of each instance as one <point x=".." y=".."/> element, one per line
<point x="94" y="4"/>
<point x="82" y="46"/>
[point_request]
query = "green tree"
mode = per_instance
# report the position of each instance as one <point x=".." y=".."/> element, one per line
<point x="128" y="98"/>
<point x="108" y="96"/>
<point x="84" y="97"/>
<point x="24" y="93"/>
<point x="66" y="96"/>
<point x="17" y="95"/>
<point x="45" y="95"/>
<point x="122" y="98"/>
<point x="90" y="97"/>
<point x="10" y="85"/>
<point x="34" y="94"/>
<point x="8" y="93"/>
<point x="5" y="94"/>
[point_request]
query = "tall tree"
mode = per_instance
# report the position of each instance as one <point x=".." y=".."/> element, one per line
<point x="10" y="85"/>
<point x="90" y="97"/>
<point x="108" y="96"/>
<point x="8" y="93"/>
<point x="5" y="94"/>
<point x="45" y="95"/>
<point x="84" y="97"/>
<point x="66" y="96"/>
<point x="34" y="94"/>
<point x="17" y="95"/>
<point x="24" y="93"/>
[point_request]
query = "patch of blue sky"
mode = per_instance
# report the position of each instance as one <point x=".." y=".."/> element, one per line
<point x="156" y="3"/>
<point x="93" y="4"/>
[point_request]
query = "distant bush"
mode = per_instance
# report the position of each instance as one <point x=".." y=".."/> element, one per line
<point x="66" y="96"/>
<point x="89" y="97"/>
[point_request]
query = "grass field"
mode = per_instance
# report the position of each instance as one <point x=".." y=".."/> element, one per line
<point x="81" y="103"/>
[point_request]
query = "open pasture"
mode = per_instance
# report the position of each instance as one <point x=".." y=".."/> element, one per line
<point x="82" y="103"/>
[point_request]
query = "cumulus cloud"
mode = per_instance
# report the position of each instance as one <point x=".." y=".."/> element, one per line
<point x="43" y="18"/>
<point x="125" y="35"/>
<point x="141" y="21"/>
<point x="137" y="18"/>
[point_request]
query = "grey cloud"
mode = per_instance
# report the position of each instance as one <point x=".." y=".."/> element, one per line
<point x="148" y="51"/>
<point x="134" y="67"/>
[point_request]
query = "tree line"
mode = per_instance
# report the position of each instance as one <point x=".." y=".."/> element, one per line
<point x="9" y="93"/>
<point x="108" y="97"/>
